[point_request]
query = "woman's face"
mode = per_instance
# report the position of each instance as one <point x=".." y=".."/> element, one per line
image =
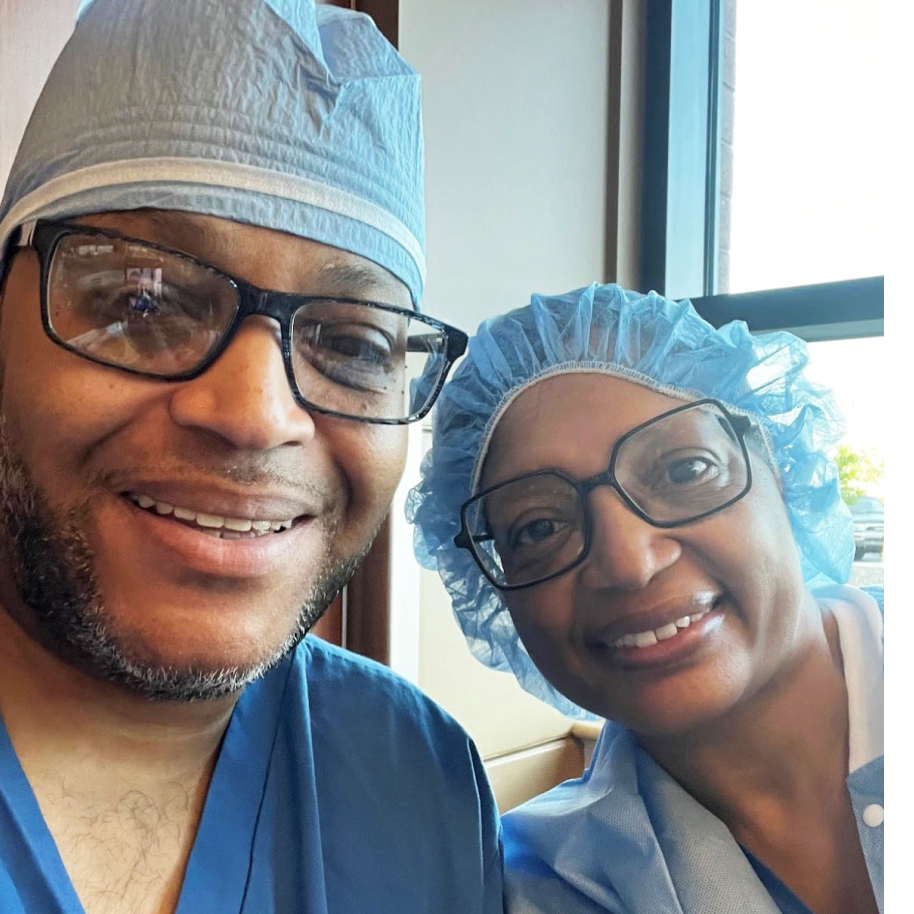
<point x="735" y="576"/>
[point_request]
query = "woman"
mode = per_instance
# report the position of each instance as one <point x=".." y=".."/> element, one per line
<point x="635" y="513"/>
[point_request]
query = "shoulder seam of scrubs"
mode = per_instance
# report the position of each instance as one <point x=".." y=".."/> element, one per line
<point x="214" y="173"/>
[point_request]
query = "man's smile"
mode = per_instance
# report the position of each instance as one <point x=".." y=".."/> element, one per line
<point x="217" y="530"/>
<point x="213" y="524"/>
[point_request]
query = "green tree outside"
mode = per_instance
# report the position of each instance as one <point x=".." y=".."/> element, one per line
<point x="858" y="472"/>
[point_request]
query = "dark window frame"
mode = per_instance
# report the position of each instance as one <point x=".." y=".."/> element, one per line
<point x="680" y="230"/>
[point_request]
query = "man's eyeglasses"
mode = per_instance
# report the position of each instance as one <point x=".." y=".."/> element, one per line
<point x="159" y="313"/>
<point x="677" y="468"/>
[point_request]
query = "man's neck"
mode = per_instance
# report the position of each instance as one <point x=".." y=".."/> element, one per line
<point x="121" y="780"/>
<point x="50" y="705"/>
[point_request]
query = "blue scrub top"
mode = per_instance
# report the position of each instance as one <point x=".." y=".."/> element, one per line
<point x="626" y="838"/>
<point x="339" y="789"/>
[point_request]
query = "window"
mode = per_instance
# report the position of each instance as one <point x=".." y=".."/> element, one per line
<point x="762" y="194"/>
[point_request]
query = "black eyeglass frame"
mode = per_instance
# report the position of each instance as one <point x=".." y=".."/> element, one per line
<point x="741" y="425"/>
<point x="45" y="235"/>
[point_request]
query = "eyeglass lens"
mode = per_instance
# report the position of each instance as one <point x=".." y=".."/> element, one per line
<point x="137" y="307"/>
<point x="681" y="467"/>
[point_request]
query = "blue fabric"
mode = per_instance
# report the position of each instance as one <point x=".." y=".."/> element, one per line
<point x="628" y="839"/>
<point x="787" y="902"/>
<point x="339" y="789"/>
<point x="291" y="96"/>
<point x="652" y="341"/>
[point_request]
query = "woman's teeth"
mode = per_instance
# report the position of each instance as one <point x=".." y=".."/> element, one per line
<point x="234" y="528"/>
<point x="664" y="633"/>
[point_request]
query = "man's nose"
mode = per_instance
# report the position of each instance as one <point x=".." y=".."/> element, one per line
<point x="626" y="552"/>
<point x="244" y="396"/>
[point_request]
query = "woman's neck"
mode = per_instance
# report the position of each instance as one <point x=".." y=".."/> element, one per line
<point x="783" y="751"/>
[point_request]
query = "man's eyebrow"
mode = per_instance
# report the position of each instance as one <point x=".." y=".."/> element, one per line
<point x="354" y="279"/>
<point x="177" y="227"/>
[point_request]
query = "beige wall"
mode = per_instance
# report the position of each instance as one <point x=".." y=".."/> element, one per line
<point x="515" y="96"/>
<point x="32" y="32"/>
<point x="515" y="107"/>
<point x="532" y="113"/>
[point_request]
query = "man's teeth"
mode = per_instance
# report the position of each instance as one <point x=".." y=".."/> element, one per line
<point x="664" y="633"/>
<point x="214" y="524"/>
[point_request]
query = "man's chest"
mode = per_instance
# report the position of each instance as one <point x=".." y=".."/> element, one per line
<point x="125" y="854"/>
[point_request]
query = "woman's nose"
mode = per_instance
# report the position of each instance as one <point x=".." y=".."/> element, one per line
<point x="244" y="396"/>
<point x="626" y="552"/>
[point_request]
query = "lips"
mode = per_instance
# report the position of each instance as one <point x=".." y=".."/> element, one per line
<point x="211" y="523"/>
<point x="644" y="628"/>
<point x="219" y="529"/>
<point x="662" y="637"/>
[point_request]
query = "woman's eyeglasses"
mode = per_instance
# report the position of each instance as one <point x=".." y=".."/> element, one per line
<point x="677" y="468"/>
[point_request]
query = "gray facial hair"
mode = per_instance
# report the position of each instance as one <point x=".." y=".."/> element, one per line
<point x="53" y="570"/>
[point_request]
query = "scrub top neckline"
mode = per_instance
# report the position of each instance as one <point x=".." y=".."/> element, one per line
<point x="225" y="836"/>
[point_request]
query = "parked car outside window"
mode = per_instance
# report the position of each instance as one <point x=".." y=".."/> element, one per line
<point x="869" y="525"/>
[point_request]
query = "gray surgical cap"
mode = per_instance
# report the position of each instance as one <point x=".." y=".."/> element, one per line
<point x="648" y="340"/>
<point x="276" y="113"/>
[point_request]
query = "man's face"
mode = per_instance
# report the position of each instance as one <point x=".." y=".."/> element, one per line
<point x="91" y="457"/>
<point x="716" y="605"/>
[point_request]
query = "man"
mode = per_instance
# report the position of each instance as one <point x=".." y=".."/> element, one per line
<point x="212" y="250"/>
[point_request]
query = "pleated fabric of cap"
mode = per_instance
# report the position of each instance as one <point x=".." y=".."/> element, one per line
<point x="651" y="341"/>
<point x="277" y="113"/>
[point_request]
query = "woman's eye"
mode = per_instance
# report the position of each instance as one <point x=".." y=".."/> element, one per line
<point x="688" y="470"/>
<point x="533" y="533"/>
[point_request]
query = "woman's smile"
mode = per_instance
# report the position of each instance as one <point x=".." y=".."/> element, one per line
<point x="669" y="644"/>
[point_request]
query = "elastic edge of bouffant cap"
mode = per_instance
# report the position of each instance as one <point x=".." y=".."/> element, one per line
<point x="617" y="371"/>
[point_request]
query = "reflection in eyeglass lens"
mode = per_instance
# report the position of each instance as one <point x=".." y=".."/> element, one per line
<point x="136" y="307"/>
<point x="682" y="466"/>
<point x="676" y="469"/>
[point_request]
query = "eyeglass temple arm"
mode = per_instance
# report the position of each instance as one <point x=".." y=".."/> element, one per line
<point x="464" y="539"/>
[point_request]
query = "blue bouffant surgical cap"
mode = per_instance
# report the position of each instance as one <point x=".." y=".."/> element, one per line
<point x="276" y="113"/>
<point x="649" y="340"/>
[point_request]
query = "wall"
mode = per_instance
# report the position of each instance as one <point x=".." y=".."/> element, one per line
<point x="31" y="36"/>
<point x="517" y="129"/>
<point x="515" y="105"/>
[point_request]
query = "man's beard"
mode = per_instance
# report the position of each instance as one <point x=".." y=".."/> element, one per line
<point x="52" y="567"/>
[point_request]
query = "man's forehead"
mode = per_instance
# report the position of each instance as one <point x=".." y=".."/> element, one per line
<point x="336" y="155"/>
<point x="225" y="244"/>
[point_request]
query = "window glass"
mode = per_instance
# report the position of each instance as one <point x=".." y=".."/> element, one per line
<point x="855" y="371"/>
<point x="802" y="182"/>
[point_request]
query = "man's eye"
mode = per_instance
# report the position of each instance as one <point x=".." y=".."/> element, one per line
<point x="354" y="347"/>
<point x="355" y="342"/>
